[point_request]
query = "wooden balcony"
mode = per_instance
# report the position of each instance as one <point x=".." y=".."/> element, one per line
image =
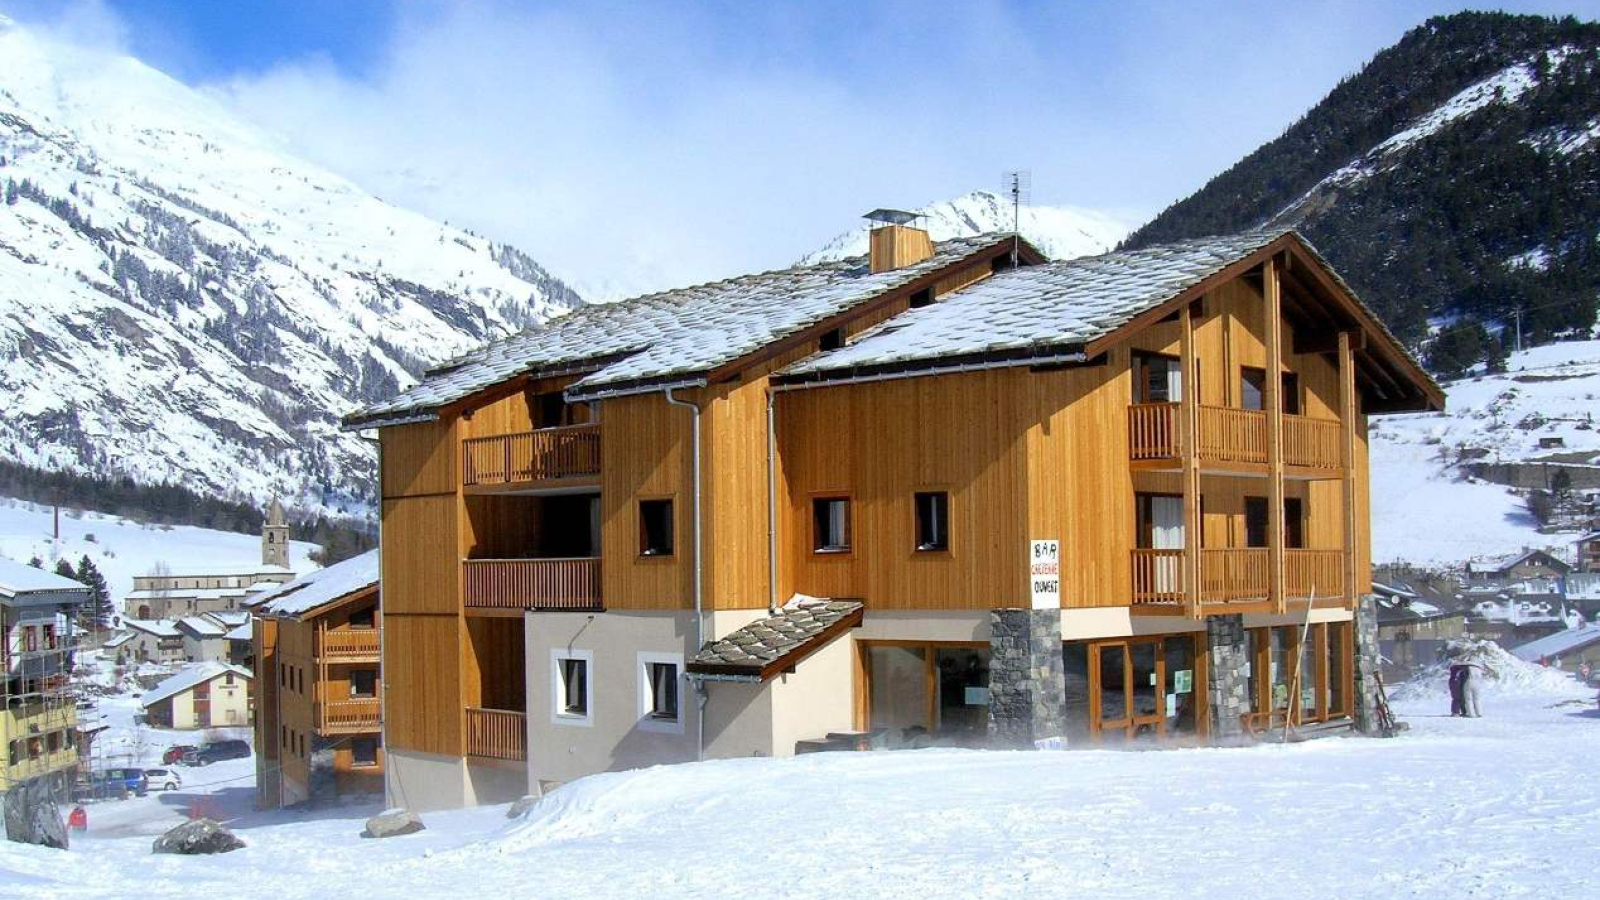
<point x="530" y="460"/>
<point x="514" y="585"/>
<point x="1232" y="440"/>
<point x="350" y="645"/>
<point x="497" y="734"/>
<point x="1233" y="577"/>
<point x="353" y="716"/>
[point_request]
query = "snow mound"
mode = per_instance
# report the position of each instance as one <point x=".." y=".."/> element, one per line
<point x="1506" y="676"/>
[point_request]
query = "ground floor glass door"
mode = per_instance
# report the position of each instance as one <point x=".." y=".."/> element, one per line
<point x="1143" y="688"/>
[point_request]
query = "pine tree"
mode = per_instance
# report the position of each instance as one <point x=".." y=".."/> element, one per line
<point x="96" y="613"/>
<point x="64" y="569"/>
<point x="36" y="562"/>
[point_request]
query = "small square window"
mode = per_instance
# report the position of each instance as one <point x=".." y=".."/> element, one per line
<point x="364" y="751"/>
<point x="571" y="688"/>
<point x="830" y="518"/>
<point x="364" y="683"/>
<point x="663" y="690"/>
<point x="933" y="521"/>
<point x="655" y="527"/>
<point x="363" y="618"/>
<point x="660" y="689"/>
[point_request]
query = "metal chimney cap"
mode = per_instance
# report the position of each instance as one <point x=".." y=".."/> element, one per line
<point x="892" y="216"/>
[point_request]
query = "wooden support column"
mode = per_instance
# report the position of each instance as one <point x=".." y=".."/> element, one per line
<point x="1273" y="403"/>
<point x="1189" y="413"/>
<point x="1348" y="411"/>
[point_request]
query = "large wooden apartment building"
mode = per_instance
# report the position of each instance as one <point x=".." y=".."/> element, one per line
<point x="945" y="492"/>
<point x="319" y="709"/>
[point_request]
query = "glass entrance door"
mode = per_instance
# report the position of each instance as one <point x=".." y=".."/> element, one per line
<point x="1144" y="688"/>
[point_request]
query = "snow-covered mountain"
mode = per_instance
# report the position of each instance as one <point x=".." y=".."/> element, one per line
<point x="1060" y="232"/>
<point x="1429" y="506"/>
<point x="181" y="300"/>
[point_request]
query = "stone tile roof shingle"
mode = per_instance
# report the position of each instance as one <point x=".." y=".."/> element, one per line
<point x="673" y="335"/>
<point x="768" y="645"/>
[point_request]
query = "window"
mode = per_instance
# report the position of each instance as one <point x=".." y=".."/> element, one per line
<point x="1294" y="523"/>
<point x="1157" y="378"/>
<point x="364" y="751"/>
<point x="571" y="690"/>
<point x="832" y="340"/>
<point x="655" y="527"/>
<point x="933" y="520"/>
<point x="227" y="678"/>
<point x="659" y="678"/>
<point x="1255" y="522"/>
<point x="830" y="521"/>
<point x="1253" y="390"/>
<point x="364" y="618"/>
<point x="363" y="683"/>
<point x="922" y="298"/>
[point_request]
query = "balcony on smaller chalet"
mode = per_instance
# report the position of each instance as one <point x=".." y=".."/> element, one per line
<point x="497" y="734"/>
<point x="354" y="716"/>
<point x="348" y="645"/>
<point x="557" y="458"/>
<point x="1234" y="578"/>
<point x="1232" y="440"/>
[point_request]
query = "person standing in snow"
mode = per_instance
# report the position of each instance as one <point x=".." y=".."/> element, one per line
<point x="1457" y="701"/>
<point x="1471" y="677"/>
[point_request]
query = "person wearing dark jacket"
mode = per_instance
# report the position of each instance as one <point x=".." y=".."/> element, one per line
<point x="1458" y="704"/>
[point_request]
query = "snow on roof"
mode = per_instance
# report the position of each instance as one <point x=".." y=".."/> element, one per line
<point x="1502" y="563"/>
<point x="308" y="592"/>
<point x="202" y="626"/>
<point x="674" y="334"/>
<point x="241" y="632"/>
<point x="221" y="571"/>
<point x="1393" y="590"/>
<point x="1057" y="305"/>
<point x="20" y="578"/>
<point x="1557" y="644"/>
<point x="118" y="639"/>
<point x="229" y="617"/>
<point x="189" y="678"/>
<point x="187" y="593"/>
<point x="157" y="627"/>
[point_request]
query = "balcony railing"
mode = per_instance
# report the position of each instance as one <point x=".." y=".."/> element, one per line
<point x="1231" y="435"/>
<point x="497" y="733"/>
<point x="1308" y="570"/>
<point x="1236" y="575"/>
<point x="571" y="451"/>
<point x="354" y="643"/>
<point x="350" y="716"/>
<point x="532" y="583"/>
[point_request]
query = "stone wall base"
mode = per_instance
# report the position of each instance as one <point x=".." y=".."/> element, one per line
<point x="1027" y="689"/>
<point x="1227" y="676"/>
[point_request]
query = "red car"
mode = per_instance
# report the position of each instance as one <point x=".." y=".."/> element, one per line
<point x="175" y="754"/>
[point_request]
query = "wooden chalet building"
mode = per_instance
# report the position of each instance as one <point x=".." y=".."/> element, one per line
<point x="319" y="719"/>
<point x="879" y="496"/>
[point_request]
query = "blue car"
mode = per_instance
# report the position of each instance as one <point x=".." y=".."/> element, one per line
<point x="131" y="780"/>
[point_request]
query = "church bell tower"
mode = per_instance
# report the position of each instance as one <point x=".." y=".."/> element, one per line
<point x="275" y="537"/>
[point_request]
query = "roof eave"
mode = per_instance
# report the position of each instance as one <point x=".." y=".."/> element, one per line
<point x="1041" y="354"/>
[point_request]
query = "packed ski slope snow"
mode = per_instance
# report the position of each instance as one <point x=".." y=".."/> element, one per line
<point x="1495" y="807"/>
<point x="1425" y="509"/>
<point x="1060" y="232"/>
<point x="122" y="548"/>
<point x="182" y="300"/>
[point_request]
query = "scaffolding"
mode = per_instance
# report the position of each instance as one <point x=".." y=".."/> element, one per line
<point x="38" y="643"/>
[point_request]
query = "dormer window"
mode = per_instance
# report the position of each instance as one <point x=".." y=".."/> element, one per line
<point x="832" y="340"/>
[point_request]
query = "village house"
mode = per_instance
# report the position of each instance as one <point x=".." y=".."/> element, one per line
<point x="38" y="719"/>
<point x="943" y="493"/>
<point x="1414" y="624"/>
<point x="204" y="695"/>
<point x="1588" y="553"/>
<point x="1535" y="565"/>
<point x="318" y="720"/>
<point x="1571" y="650"/>
<point x="173" y="595"/>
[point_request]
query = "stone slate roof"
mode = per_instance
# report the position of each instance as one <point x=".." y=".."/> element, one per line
<point x="665" y="337"/>
<point x="319" y="588"/>
<point x="768" y="646"/>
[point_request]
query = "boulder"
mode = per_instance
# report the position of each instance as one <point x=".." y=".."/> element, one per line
<point x="520" y="808"/>
<point x="393" y="823"/>
<point x="197" y="836"/>
<point x="32" y="817"/>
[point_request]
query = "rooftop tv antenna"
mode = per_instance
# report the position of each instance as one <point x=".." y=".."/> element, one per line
<point x="1017" y="184"/>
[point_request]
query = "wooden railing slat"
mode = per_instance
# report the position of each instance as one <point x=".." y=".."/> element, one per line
<point x="532" y="583"/>
<point x="497" y="733"/>
<point x="565" y="452"/>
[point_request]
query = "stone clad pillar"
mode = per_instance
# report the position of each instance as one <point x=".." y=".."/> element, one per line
<point x="1227" y="681"/>
<point x="1367" y="666"/>
<point x="1027" y="689"/>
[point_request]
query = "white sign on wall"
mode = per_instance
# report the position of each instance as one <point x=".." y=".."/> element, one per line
<point x="1044" y="573"/>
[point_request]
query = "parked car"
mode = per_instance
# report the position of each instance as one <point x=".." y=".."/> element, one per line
<point x="163" y="779"/>
<point x="217" y="751"/>
<point x="130" y="780"/>
<point x="175" y="754"/>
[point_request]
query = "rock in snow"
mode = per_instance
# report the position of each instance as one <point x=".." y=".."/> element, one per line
<point x="32" y="816"/>
<point x="196" y="837"/>
<point x="520" y="808"/>
<point x="393" y="823"/>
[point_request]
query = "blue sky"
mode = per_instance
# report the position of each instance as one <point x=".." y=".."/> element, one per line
<point x="712" y="138"/>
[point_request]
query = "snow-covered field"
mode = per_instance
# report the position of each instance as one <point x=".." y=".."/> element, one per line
<point x="1424" y="510"/>
<point x="1502" y="806"/>
<point x="122" y="548"/>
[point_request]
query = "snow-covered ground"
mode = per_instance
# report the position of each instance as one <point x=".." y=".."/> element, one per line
<point x="122" y="548"/>
<point x="1502" y="806"/>
<point x="1425" y="510"/>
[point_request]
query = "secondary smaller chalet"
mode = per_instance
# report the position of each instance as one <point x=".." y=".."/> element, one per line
<point x="201" y="696"/>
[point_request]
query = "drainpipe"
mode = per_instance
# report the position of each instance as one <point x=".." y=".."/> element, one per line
<point x="699" y="609"/>
<point x="772" y="506"/>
